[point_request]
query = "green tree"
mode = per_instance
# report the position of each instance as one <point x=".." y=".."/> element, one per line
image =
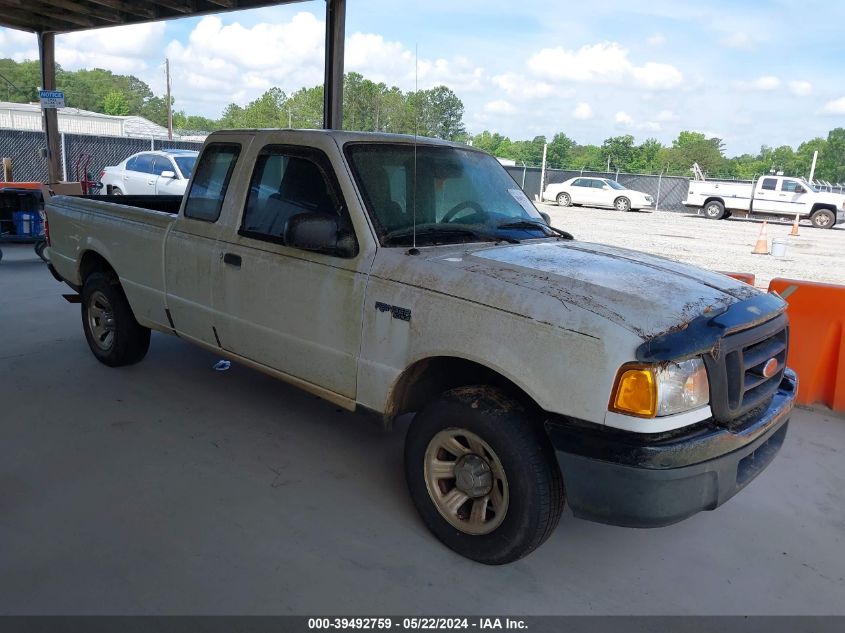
<point x="831" y="165"/>
<point x="621" y="152"/>
<point x="115" y="103"/>
<point x="695" y="147"/>
<point x="558" y="152"/>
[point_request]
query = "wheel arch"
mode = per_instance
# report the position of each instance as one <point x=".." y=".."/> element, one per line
<point x="710" y="199"/>
<point x="431" y="376"/>
<point x="821" y="206"/>
<point x="93" y="262"/>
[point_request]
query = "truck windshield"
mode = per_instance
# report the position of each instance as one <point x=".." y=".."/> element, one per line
<point x="461" y="195"/>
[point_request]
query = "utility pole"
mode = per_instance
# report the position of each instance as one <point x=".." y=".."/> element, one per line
<point x="290" y="119"/>
<point x="169" y="102"/>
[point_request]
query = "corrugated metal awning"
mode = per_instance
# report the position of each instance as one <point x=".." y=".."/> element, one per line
<point x="65" y="16"/>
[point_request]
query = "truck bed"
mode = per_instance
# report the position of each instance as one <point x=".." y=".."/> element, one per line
<point x="167" y="204"/>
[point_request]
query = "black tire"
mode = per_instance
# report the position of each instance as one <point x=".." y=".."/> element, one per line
<point x="39" y="249"/>
<point x="714" y="210"/>
<point x="563" y="199"/>
<point x="533" y="486"/>
<point x="823" y="219"/>
<point x="116" y="192"/>
<point x="622" y="204"/>
<point x="125" y="342"/>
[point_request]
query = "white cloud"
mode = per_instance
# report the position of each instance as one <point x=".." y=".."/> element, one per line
<point x="836" y="106"/>
<point x="623" y="119"/>
<point x="583" y="111"/>
<point x="605" y="62"/>
<point x="123" y="49"/>
<point x="18" y="45"/>
<point x="766" y="83"/>
<point x="800" y="88"/>
<point x="654" y="76"/>
<point x="656" y="40"/>
<point x="500" y="106"/>
<point x="739" y="39"/>
<point x="666" y="116"/>
<point x="523" y="88"/>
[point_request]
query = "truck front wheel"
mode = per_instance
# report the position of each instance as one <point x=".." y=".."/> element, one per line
<point x="113" y="334"/>
<point x="483" y="475"/>
<point x="823" y="219"/>
<point x="714" y="210"/>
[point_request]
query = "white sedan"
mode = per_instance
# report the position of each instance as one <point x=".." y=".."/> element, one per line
<point x="597" y="192"/>
<point x="164" y="172"/>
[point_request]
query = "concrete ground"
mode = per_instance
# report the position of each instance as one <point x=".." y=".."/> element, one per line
<point x="724" y="245"/>
<point x="170" y="488"/>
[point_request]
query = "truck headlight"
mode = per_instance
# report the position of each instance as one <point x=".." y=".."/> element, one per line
<point x="647" y="391"/>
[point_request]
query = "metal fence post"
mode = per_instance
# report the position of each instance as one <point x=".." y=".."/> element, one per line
<point x="64" y="157"/>
<point x="659" y="180"/>
<point x="152" y="144"/>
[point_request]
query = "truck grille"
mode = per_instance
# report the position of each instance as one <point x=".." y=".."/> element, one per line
<point x="738" y="384"/>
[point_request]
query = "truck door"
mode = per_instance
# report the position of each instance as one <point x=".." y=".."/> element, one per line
<point x="190" y="249"/>
<point x="292" y="310"/>
<point x="792" y="197"/>
<point x="766" y="196"/>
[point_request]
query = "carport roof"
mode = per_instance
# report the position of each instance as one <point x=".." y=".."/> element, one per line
<point x="65" y="16"/>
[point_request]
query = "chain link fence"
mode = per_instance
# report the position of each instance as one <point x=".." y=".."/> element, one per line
<point x="669" y="191"/>
<point x="28" y="153"/>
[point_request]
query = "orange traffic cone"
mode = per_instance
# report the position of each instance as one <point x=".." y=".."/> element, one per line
<point x="794" y="230"/>
<point x="762" y="245"/>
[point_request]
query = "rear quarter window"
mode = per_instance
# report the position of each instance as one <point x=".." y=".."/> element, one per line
<point x="211" y="181"/>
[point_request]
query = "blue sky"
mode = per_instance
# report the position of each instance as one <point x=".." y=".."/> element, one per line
<point x="750" y="72"/>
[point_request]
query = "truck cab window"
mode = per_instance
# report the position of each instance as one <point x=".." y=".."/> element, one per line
<point x="284" y="185"/>
<point x="208" y="189"/>
<point x="769" y="184"/>
<point x="792" y="186"/>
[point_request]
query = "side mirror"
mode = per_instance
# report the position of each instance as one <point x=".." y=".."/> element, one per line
<point x="605" y="186"/>
<point x="800" y="189"/>
<point x="321" y="233"/>
<point x="168" y="174"/>
<point x="546" y="218"/>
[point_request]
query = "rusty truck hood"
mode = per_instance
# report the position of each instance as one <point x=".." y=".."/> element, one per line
<point x="646" y="294"/>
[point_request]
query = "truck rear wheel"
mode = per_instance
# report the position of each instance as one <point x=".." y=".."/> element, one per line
<point x="714" y="210"/>
<point x="483" y="475"/>
<point x="113" y="334"/>
<point x="823" y="219"/>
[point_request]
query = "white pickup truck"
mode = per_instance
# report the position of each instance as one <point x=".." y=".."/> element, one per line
<point x="772" y="196"/>
<point x="394" y="275"/>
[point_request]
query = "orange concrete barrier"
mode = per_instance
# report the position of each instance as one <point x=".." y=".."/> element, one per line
<point x="816" y="339"/>
<point x="746" y="277"/>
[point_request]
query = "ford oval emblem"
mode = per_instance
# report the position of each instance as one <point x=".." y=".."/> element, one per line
<point x="770" y="368"/>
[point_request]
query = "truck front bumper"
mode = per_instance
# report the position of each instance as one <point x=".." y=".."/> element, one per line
<point x="636" y="480"/>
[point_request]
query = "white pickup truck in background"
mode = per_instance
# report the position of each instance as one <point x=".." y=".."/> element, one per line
<point x="396" y="275"/>
<point x="772" y="196"/>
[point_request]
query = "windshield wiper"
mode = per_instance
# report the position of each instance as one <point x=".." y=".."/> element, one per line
<point x="401" y="235"/>
<point x="532" y="224"/>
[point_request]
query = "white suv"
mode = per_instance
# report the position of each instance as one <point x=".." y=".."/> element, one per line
<point x="164" y="172"/>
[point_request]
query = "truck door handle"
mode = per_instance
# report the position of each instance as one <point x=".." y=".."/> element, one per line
<point x="232" y="259"/>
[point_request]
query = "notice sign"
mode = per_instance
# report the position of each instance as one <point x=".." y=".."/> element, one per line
<point x="51" y="99"/>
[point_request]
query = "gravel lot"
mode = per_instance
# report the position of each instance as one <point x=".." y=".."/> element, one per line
<point x="724" y="245"/>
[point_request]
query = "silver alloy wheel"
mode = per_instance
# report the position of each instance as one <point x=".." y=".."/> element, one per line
<point x="466" y="481"/>
<point x="821" y="220"/>
<point x="564" y="200"/>
<point x="622" y="204"/>
<point x="712" y="210"/>
<point x="101" y="320"/>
